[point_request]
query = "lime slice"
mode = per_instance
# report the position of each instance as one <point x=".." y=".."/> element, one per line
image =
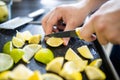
<point x="6" y="62"/>
<point x="94" y="73"/>
<point x="21" y="72"/>
<point x="17" y="42"/>
<point x="54" y="42"/>
<point x="35" y="76"/>
<point x="71" y="55"/>
<point x="51" y="76"/>
<point x="85" y="52"/>
<point x="55" y="65"/>
<point x="96" y="63"/>
<point x="44" y="55"/>
<point x="35" y="39"/>
<point x="30" y="50"/>
<point x="7" y="47"/>
<point x="16" y="54"/>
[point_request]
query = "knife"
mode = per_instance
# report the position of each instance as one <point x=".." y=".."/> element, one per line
<point x="70" y="33"/>
<point x="19" y="21"/>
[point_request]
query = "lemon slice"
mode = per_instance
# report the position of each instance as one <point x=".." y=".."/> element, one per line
<point x="54" y="42"/>
<point x="71" y="55"/>
<point x="35" y="39"/>
<point x="7" y="47"/>
<point x="75" y="66"/>
<point x="85" y="52"/>
<point x="20" y="35"/>
<point x="17" y="54"/>
<point x="44" y="55"/>
<point x="94" y="73"/>
<point x="35" y="76"/>
<point x="17" y="42"/>
<point x="6" y="62"/>
<point x="55" y="65"/>
<point x="71" y="75"/>
<point x="5" y="75"/>
<point x="96" y="63"/>
<point x="21" y="72"/>
<point x="27" y="35"/>
<point x="30" y="50"/>
<point x="51" y="76"/>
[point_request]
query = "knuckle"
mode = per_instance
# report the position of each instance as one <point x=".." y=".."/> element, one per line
<point x="100" y="23"/>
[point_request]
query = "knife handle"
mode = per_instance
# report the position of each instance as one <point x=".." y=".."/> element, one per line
<point x="78" y="32"/>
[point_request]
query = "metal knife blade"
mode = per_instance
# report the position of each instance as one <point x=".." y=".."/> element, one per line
<point x="71" y="33"/>
<point x="19" y="21"/>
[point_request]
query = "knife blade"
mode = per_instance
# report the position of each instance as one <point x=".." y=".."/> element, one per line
<point x="19" y="21"/>
<point x="70" y="33"/>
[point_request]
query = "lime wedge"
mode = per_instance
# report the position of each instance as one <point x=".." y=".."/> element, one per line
<point x="16" y="54"/>
<point x="44" y="55"/>
<point x="7" y="47"/>
<point x="6" y="62"/>
<point x="17" y="42"/>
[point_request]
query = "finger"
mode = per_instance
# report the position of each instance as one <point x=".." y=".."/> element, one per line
<point x="101" y="38"/>
<point x="53" y="19"/>
<point x="87" y="31"/>
<point x="44" y="20"/>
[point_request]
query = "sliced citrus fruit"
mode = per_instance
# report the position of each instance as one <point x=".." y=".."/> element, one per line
<point x="16" y="54"/>
<point x="21" y="72"/>
<point x="71" y="75"/>
<point x="17" y="42"/>
<point x="6" y="62"/>
<point x="85" y="52"/>
<point x="71" y="55"/>
<point x="5" y="75"/>
<point x="20" y="35"/>
<point x="44" y="55"/>
<point x="55" y="65"/>
<point x="35" y="76"/>
<point x="27" y="35"/>
<point x="7" y="47"/>
<point x="35" y="39"/>
<point x="54" y="42"/>
<point x="78" y="32"/>
<point x="51" y="76"/>
<point x="75" y="66"/>
<point x="30" y="50"/>
<point x="96" y="63"/>
<point x="94" y="73"/>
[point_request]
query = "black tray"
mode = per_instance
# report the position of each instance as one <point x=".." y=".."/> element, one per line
<point x="95" y="48"/>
